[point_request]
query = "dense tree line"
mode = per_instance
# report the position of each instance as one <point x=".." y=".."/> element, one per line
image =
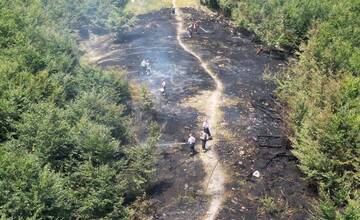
<point x="91" y="15"/>
<point x="67" y="143"/>
<point x="321" y="89"/>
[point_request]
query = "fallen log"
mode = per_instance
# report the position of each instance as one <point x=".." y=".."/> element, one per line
<point x="266" y="111"/>
<point x="278" y="155"/>
<point x="268" y="141"/>
<point x="275" y="136"/>
<point x="271" y="146"/>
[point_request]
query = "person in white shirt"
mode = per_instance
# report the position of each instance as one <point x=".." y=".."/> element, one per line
<point x="145" y="65"/>
<point x="189" y="31"/>
<point x="163" y="87"/>
<point x="191" y="142"/>
<point x="206" y="128"/>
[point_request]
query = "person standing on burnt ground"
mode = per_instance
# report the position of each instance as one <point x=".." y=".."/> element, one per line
<point x="189" y="31"/>
<point x="206" y="128"/>
<point x="204" y="137"/>
<point x="163" y="87"/>
<point x="146" y="66"/>
<point x="191" y="142"/>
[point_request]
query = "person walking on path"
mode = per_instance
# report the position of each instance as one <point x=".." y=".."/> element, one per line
<point x="191" y="142"/>
<point x="204" y="137"/>
<point x="206" y="128"/>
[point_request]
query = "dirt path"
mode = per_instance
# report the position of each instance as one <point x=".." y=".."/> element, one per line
<point x="214" y="181"/>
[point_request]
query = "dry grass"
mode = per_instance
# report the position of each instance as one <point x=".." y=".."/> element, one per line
<point x="188" y="3"/>
<point x="145" y="6"/>
<point x="236" y="101"/>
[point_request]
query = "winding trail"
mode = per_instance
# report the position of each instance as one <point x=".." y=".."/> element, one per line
<point x="214" y="183"/>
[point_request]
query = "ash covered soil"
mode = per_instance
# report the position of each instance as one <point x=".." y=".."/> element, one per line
<point x="251" y="134"/>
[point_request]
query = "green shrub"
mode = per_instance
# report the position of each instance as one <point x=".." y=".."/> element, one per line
<point x="146" y="102"/>
<point x="99" y="192"/>
<point x="323" y="93"/>
<point x="29" y="190"/>
<point x="280" y="24"/>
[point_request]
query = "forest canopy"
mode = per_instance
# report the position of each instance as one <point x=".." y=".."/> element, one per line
<point x="67" y="144"/>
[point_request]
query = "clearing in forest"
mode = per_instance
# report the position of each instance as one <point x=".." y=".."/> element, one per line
<point x="216" y="73"/>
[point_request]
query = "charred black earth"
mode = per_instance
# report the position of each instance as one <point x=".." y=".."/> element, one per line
<point x="251" y="136"/>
